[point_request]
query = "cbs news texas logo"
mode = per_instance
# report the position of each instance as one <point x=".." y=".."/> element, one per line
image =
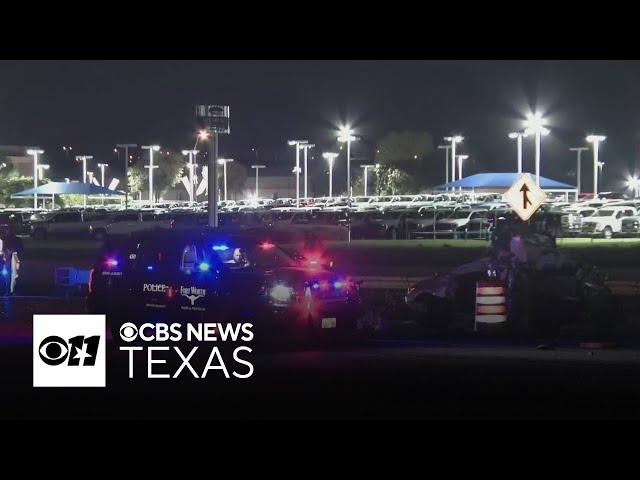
<point x="69" y="351"/>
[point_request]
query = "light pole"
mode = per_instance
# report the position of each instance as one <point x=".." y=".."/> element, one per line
<point x="83" y="159"/>
<point x="191" y="166"/>
<point x="600" y="169"/>
<point x="535" y="125"/>
<point x="518" y="136"/>
<point x="151" y="166"/>
<point x="306" y="147"/>
<point x="296" y="169"/>
<point x="35" y="152"/>
<point x="595" y="140"/>
<point x="579" y="150"/>
<point x="41" y="168"/>
<point x="454" y="140"/>
<point x="366" y="168"/>
<point x="330" y="157"/>
<point x="223" y="162"/>
<point x="345" y="134"/>
<point x="461" y="158"/>
<point x="257" y="167"/>
<point x="126" y="147"/>
<point x="446" y="161"/>
<point x="102" y="167"/>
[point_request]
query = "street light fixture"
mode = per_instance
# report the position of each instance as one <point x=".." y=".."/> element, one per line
<point x="330" y="157"/>
<point x="366" y="168"/>
<point x="534" y="125"/>
<point x="257" y="168"/>
<point x="454" y="140"/>
<point x="223" y="162"/>
<point x="345" y="135"/>
<point x="579" y="150"/>
<point x="518" y="136"/>
<point x="595" y="140"/>
<point x="633" y="183"/>
<point x="151" y="166"/>
<point x="296" y="169"/>
<point x="35" y="153"/>
<point x="191" y="166"/>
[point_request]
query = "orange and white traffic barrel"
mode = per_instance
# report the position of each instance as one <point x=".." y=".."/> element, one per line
<point x="491" y="302"/>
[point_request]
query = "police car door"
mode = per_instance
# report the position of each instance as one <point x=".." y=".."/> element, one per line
<point x="196" y="287"/>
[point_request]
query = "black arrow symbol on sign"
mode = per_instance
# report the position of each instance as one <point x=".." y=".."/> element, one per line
<point x="525" y="197"/>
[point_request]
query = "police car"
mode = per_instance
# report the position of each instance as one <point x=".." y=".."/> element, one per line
<point x="210" y="276"/>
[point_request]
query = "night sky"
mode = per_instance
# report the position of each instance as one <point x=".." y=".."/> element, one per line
<point x="92" y="105"/>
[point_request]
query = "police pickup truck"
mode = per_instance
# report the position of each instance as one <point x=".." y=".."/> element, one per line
<point x="208" y="276"/>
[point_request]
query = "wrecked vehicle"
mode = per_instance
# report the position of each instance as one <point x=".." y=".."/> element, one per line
<point x="545" y="288"/>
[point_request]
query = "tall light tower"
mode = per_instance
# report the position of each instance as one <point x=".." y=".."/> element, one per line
<point x="151" y="166"/>
<point x="191" y="166"/>
<point x="595" y="140"/>
<point x="83" y="159"/>
<point x="446" y="161"/>
<point x="330" y="157"/>
<point x="534" y="125"/>
<point x="216" y="119"/>
<point x="345" y="135"/>
<point x="366" y="168"/>
<point x="257" y="168"/>
<point x="518" y="137"/>
<point x="306" y="147"/>
<point x="579" y="150"/>
<point x="223" y="162"/>
<point x="126" y="147"/>
<point x="296" y="169"/>
<point x="454" y="140"/>
<point x="35" y="152"/>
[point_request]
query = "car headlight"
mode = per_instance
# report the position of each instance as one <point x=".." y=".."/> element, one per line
<point x="281" y="294"/>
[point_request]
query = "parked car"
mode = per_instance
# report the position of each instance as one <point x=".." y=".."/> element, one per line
<point x="607" y="221"/>
<point x="65" y="223"/>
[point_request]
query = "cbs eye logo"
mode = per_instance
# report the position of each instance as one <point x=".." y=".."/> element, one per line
<point x="77" y="351"/>
<point x="128" y="332"/>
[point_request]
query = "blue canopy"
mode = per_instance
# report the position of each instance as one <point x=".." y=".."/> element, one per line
<point x="64" y="188"/>
<point x="501" y="180"/>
